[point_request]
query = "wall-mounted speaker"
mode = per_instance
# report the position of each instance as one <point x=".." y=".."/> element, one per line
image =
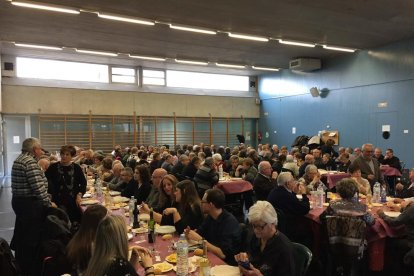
<point x="314" y="92"/>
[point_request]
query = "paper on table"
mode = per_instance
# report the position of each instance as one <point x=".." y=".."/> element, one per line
<point x="392" y="214"/>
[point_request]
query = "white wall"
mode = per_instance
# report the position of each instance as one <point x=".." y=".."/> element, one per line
<point x="19" y="99"/>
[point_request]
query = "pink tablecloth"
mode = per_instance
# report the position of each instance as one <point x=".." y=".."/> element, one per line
<point x="389" y="171"/>
<point x="333" y="178"/>
<point x="376" y="235"/>
<point x="163" y="247"/>
<point x="234" y="186"/>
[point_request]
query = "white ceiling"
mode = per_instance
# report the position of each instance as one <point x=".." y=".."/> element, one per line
<point x="361" y="24"/>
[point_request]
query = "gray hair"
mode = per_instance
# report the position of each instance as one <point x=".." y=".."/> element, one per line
<point x="217" y="157"/>
<point x="29" y="144"/>
<point x="261" y="165"/>
<point x="289" y="158"/>
<point x="263" y="211"/>
<point x="183" y="157"/>
<point x="366" y="145"/>
<point x="305" y="149"/>
<point x="208" y="161"/>
<point x="346" y="188"/>
<point x="310" y="168"/>
<point x="283" y="178"/>
<point x="128" y="170"/>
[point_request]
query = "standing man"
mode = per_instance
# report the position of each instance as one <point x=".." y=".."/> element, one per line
<point x="30" y="201"/>
<point x="369" y="166"/>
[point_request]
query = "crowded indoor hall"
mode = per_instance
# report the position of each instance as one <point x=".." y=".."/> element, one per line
<point x="206" y="138"/>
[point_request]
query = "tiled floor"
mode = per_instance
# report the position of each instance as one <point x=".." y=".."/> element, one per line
<point x="7" y="216"/>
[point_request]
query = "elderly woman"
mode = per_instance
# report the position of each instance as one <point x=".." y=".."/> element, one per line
<point x="312" y="178"/>
<point x="269" y="251"/>
<point x="67" y="183"/>
<point x="218" y="161"/>
<point x="363" y="184"/>
<point x="347" y="205"/>
<point x="291" y="165"/>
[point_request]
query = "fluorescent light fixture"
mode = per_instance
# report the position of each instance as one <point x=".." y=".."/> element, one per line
<point x="338" y="48"/>
<point x="48" y="7"/>
<point x="265" y="68"/>
<point x="249" y="37"/>
<point x="296" y="43"/>
<point x="96" y="53"/>
<point x="192" y="29"/>
<point x="147" y="58"/>
<point x="125" y="19"/>
<point x="230" y="65"/>
<point x="185" y="61"/>
<point x="38" y="46"/>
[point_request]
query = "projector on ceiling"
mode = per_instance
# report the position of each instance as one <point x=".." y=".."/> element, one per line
<point x="305" y="64"/>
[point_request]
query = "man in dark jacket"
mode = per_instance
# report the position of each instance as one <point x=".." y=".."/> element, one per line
<point x="206" y="176"/>
<point x="264" y="181"/>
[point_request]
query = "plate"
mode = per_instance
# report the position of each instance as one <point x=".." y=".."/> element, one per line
<point x="90" y="202"/>
<point x="236" y="178"/>
<point x="145" y="217"/>
<point x="392" y="214"/>
<point x="114" y="193"/>
<point x="165" y="229"/>
<point x="172" y="258"/>
<point x="140" y="230"/>
<point x="120" y="199"/>
<point x="191" y="268"/>
<point x="326" y="204"/>
<point x="163" y="267"/>
<point x="130" y="236"/>
<point x="377" y="204"/>
<point x="86" y="195"/>
<point x="227" y="270"/>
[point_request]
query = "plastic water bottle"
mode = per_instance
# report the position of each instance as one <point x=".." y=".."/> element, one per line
<point x="221" y="171"/>
<point x="131" y="205"/>
<point x="182" y="256"/>
<point x="376" y="193"/>
<point x="383" y="194"/>
<point x="319" y="196"/>
<point x="99" y="188"/>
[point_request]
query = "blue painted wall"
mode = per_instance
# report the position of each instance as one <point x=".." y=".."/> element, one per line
<point x="357" y="83"/>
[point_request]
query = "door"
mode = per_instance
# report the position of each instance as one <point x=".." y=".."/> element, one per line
<point x="16" y="129"/>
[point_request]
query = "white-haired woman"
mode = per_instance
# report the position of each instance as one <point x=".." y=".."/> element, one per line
<point x="269" y="251"/>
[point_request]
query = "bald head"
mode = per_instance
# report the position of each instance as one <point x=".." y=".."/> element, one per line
<point x="157" y="176"/>
<point x="309" y="158"/>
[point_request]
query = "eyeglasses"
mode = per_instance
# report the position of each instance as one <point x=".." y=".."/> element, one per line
<point x="259" y="227"/>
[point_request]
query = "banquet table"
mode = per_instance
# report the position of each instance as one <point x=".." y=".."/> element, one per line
<point x="376" y="235"/>
<point x="333" y="177"/>
<point x="390" y="171"/>
<point x="234" y="186"/>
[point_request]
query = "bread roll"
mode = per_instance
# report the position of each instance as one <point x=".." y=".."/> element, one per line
<point x="167" y="237"/>
<point x="198" y="252"/>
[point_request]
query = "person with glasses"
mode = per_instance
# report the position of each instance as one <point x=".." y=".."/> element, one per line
<point x="269" y="251"/>
<point x="220" y="228"/>
<point x="370" y="167"/>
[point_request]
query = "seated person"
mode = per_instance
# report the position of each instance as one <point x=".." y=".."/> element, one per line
<point x="405" y="191"/>
<point x="328" y="163"/>
<point x="249" y="170"/>
<point x="344" y="162"/>
<point x="178" y="168"/>
<point x="206" y="176"/>
<point x="265" y="181"/>
<point x="220" y="228"/>
<point x="191" y="169"/>
<point x="140" y="186"/>
<point x="391" y="160"/>
<point x="126" y="176"/>
<point x="399" y="247"/>
<point x="154" y="195"/>
<point x="116" y="170"/>
<point x="185" y="211"/>
<point x="290" y="165"/>
<point x="363" y="184"/>
<point x="110" y="252"/>
<point x="311" y="179"/>
<point x="269" y="251"/>
<point x="234" y="168"/>
<point x="347" y="205"/>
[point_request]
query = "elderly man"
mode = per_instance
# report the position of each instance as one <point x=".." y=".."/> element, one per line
<point x="309" y="160"/>
<point x="284" y="198"/>
<point x="220" y="228"/>
<point x="30" y="201"/>
<point x="125" y="177"/>
<point x="264" y="181"/>
<point x="378" y="155"/>
<point x="178" y="168"/>
<point x="168" y="163"/>
<point x="312" y="179"/>
<point x="369" y="166"/>
<point x="317" y="154"/>
<point x="116" y="179"/>
<point x="153" y="197"/>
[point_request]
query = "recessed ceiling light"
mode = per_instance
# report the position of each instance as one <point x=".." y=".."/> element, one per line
<point x="192" y="29"/>
<point x="36" y="46"/>
<point x="248" y="37"/>
<point x="96" y="52"/>
<point x="125" y="19"/>
<point x="48" y="7"/>
<point x="296" y="43"/>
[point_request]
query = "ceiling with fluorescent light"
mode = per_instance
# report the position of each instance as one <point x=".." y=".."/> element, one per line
<point x="361" y="24"/>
